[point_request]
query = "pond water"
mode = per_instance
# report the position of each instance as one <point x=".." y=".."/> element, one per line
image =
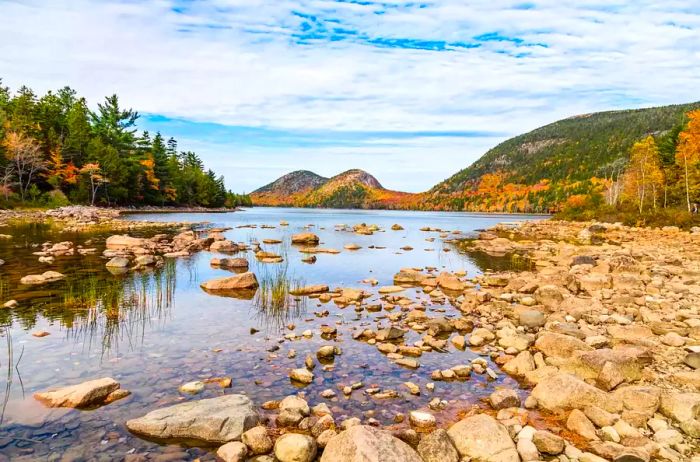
<point x="155" y="330"/>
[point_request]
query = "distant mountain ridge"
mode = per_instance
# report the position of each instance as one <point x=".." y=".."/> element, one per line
<point x="350" y="189"/>
<point x="533" y="172"/>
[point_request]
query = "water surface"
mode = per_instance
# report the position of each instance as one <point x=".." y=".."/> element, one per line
<point x="154" y="330"/>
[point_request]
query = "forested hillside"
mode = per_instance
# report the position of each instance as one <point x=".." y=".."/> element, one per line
<point x="539" y="170"/>
<point x="55" y="150"/>
<point x="352" y="189"/>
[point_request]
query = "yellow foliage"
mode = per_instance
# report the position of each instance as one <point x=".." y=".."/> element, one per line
<point x="153" y="181"/>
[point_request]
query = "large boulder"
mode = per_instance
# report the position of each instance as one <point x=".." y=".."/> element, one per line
<point x="437" y="447"/>
<point x="627" y="361"/>
<point x="216" y="420"/>
<point x="223" y="246"/>
<point x="90" y="393"/>
<point x="560" y="345"/>
<point x="243" y="281"/>
<point x="563" y="392"/>
<point x="480" y="437"/>
<point x="363" y="443"/>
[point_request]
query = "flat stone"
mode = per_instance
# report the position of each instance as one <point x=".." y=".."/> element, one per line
<point x="216" y="420"/>
<point x="84" y="394"/>
<point x="241" y="281"/>
<point x="229" y="262"/>
<point x="562" y="392"/>
<point x="310" y="290"/>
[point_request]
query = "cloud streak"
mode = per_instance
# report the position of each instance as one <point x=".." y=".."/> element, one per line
<point x="349" y="73"/>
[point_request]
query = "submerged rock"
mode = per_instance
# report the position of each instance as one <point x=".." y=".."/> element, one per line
<point x="90" y="393"/>
<point x="216" y="420"/>
<point x="46" y="277"/>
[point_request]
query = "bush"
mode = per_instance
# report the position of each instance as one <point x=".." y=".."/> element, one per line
<point x="630" y="216"/>
<point x="56" y="198"/>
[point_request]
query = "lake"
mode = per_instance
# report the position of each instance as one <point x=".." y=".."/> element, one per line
<point x="155" y="330"/>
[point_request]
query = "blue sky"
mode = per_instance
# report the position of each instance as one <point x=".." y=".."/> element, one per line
<point x="411" y="91"/>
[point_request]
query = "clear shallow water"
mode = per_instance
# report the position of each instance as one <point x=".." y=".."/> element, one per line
<point x="156" y="330"/>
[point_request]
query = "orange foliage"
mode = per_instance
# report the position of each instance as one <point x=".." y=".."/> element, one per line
<point x="576" y="201"/>
<point x="153" y="181"/>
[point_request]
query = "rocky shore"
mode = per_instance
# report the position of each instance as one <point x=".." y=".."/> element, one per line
<point x="602" y="334"/>
<point x="84" y="218"/>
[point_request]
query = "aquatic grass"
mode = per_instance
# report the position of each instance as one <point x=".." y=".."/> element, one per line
<point x="273" y="303"/>
<point x="115" y="311"/>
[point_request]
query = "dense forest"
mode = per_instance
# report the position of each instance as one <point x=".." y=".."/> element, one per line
<point x="658" y="184"/>
<point x="55" y="150"/>
<point x="579" y="156"/>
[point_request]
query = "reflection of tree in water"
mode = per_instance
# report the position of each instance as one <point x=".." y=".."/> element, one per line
<point x="11" y="367"/>
<point x="274" y="305"/>
<point x="508" y="262"/>
<point x="112" y="311"/>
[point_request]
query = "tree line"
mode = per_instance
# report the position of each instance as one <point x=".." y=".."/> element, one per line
<point x="659" y="181"/>
<point x="55" y="150"/>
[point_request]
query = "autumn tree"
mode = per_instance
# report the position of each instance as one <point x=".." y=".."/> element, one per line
<point x="24" y="153"/>
<point x="94" y="174"/>
<point x="688" y="152"/>
<point x="644" y="176"/>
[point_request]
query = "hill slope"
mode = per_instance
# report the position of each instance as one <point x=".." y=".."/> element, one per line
<point x="287" y="189"/>
<point x="537" y="170"/>
<point x="351" y="189"/>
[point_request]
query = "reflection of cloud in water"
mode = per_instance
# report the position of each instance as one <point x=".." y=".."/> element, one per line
<point x="273" y="304"/>
<point x="115" y="311"/>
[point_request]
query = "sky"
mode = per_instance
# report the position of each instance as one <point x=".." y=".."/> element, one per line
<point x="411" y="91"/>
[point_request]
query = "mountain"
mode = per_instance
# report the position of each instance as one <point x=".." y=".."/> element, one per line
<point x="538" y="170"/>
<point x="533" y="172"/>
<point x="351" y="189"/>
<point x="288" y="189"/>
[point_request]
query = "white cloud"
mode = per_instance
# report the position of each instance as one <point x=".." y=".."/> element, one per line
<point x="237" y="62"/>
